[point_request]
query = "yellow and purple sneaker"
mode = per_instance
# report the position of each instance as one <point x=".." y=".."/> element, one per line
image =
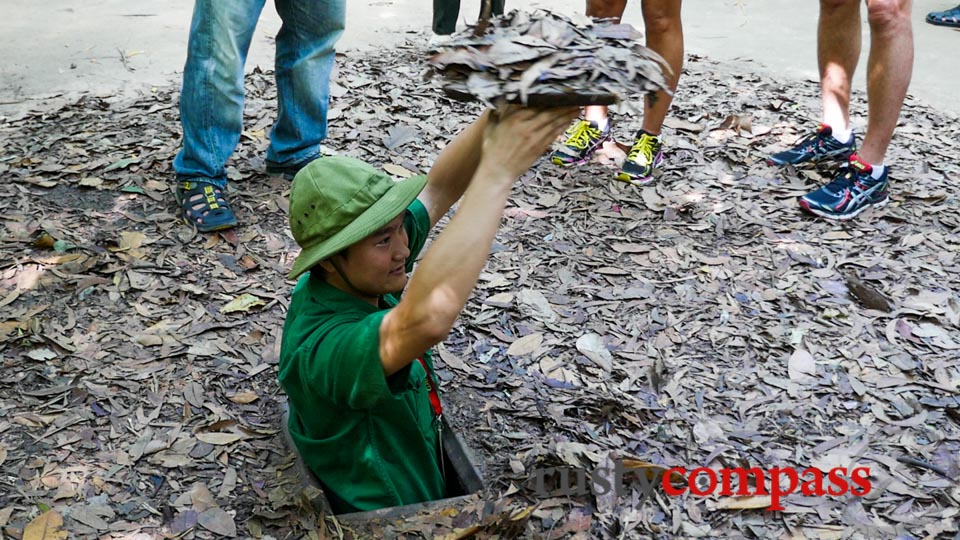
<point x="581" y="140"/>
<point x="645" y="156"/>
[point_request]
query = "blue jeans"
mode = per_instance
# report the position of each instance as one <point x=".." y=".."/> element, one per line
<point x="211" y="100"/>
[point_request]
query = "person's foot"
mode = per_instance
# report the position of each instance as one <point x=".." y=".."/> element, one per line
<point x="581" y="140"/>
<point x="817" y="146"/>
<point x="288" y="172"/>
<point x="950" y="17"/>
<point x="204" y="205"/>
<point x="853" y="190"/>
<point x="645" y="156"/>
<point x="438" y="41"/>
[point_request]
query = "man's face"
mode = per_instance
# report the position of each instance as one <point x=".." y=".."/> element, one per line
<point x="375" y="265"/>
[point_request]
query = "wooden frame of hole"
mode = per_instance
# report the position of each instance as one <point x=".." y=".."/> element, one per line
<point x="457" y="457"/>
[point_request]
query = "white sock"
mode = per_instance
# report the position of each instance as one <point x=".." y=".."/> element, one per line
<point x="602" y="124"/>
<point x="878" y="171"/>
<point x="842" y="135"/>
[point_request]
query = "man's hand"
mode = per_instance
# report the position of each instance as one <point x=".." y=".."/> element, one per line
<point x="517" y="136"/>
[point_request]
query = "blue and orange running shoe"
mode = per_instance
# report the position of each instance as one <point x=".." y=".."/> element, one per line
<point x="817" y="146"/>
<point x="581" y="140"/>
<point x="852" y="191"/>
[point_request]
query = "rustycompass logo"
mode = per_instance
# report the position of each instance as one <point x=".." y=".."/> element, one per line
<point x="776" y="482"/>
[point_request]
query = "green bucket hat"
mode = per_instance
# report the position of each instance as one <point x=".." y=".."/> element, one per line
<point x="337" y="201"/>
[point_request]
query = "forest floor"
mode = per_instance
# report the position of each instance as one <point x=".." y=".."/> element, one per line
<point x="701" y="321"/>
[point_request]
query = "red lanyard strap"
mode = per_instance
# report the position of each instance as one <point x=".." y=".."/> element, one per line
<point x="437" y="414"/>
<point x="432" y="387"/>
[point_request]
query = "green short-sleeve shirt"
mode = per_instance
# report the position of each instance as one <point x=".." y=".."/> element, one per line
<point x="369" y="438"/>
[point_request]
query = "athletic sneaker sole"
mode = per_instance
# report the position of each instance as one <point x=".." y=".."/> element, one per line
<point x="841" y="217"/>
<point x="637" y="181"/>
<point x="566" y="164"/>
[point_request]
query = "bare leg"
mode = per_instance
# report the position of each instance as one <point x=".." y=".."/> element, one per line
<point x="603" y="9"/>
<point x="838" y="50"/>
<point x="661" y="20"/>
<point x="888" y="72"/>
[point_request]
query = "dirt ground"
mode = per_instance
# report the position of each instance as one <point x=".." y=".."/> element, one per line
<point x="699" y="321"/>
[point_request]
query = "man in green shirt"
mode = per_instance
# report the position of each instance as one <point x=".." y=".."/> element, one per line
<point x="354" y="358"/>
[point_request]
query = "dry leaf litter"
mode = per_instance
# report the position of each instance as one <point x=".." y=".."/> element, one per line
<point x="700" y="321"/>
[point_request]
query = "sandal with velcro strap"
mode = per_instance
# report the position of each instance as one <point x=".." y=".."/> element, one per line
<point x="950" y="18"/>
<point x="210" y="211"/>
